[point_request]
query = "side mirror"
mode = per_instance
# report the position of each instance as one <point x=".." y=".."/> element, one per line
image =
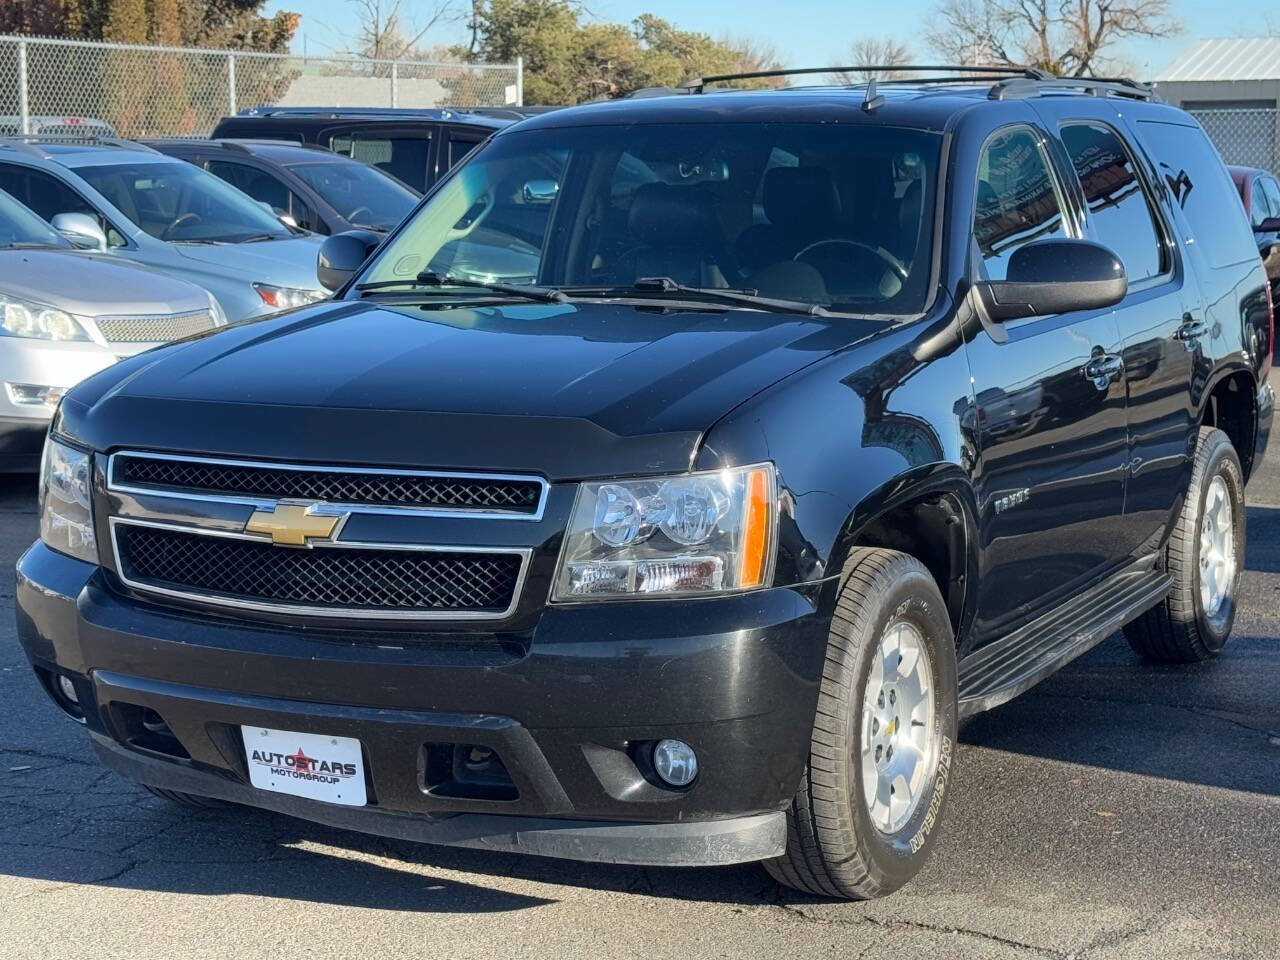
<point x="1269" y="225"/>
<point x="342" y="255"/>
<point x="1055" y="276"/>
<point x="82" y="230"/>
<point x="540" y="192"/>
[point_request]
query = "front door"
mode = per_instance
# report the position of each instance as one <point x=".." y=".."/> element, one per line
<point x="1049" y="409"/>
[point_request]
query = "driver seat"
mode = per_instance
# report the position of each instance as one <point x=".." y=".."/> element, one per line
<point x="802" y="205"/>
<point x="675" y="234"/>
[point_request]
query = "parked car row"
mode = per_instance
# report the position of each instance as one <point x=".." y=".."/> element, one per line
<point x="165" y="239"/>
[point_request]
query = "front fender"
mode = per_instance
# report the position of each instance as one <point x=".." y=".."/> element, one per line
<point x="852" y="436"/>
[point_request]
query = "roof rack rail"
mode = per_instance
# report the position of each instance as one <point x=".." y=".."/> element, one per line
<point x="33" y="140"/>
<point x="1028" y="73"/>
<point x="1018" y="87"/>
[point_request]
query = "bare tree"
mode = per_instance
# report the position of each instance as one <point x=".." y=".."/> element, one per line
<point x="1069" y="38"/>
<point x="388" y="32"/>
<point x="752" y="53"/>
<point x="875" y="52"/>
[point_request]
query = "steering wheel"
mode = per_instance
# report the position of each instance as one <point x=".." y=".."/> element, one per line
<point x="351" y="217"/>
<point x="889" y="260"/>
<point x="181" y="220"/>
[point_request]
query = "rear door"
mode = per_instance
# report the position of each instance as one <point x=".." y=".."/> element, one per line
<point x="1161" y="320"/>
<point x="403" y="150"/>
<point x="1049" y="404"/>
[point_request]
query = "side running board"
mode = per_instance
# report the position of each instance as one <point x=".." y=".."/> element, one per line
<point x="999" y="671"/>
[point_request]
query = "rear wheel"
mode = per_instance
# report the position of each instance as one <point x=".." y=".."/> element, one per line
<point x="865" y="815"/>
<point x="1204" y="556"/>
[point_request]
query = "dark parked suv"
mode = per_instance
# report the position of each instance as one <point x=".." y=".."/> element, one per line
<point x="826" y="418"/>
<point x="416" y="147"/>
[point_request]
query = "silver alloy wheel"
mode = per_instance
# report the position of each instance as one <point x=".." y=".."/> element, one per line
<point x="1217" y="548"/>
<point x="899" y="735"/>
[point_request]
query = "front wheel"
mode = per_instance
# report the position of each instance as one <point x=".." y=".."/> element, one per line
<point x="865" y="815"/>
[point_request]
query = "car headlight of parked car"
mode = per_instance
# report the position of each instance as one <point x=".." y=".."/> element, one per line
<point x="26" y="318"/>
<point x="282" y="298"/>
<point x="696" y="533"/>
<point x="66" y="501"/>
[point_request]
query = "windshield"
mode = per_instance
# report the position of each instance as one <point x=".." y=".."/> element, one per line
<point x="362" y="195"/>
<point x="20" y="227"/>
<point x="838" y="215"/>
<point x="179" y="202"/>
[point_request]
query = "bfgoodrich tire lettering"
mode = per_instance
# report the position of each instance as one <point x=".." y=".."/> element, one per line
<point x="833" y="847"/>
<point x="1181" y="629"/>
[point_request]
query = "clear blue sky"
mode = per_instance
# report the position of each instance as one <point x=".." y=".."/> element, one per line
<point x="805" y="32"/>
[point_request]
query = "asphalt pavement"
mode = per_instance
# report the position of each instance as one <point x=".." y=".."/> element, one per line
<point x="1119" y="810"/>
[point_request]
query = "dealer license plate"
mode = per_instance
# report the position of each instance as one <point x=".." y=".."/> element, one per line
<point x="306" y="765"/>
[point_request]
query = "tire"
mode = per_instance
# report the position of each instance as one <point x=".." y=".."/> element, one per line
<point x="833" y="847"/>
<point x="189" y="800"/>
<point x="1180" y="629"/>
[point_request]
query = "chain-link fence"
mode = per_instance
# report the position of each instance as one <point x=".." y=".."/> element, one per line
<point x="48" y="86"/>
<point x="1243" y="135"/>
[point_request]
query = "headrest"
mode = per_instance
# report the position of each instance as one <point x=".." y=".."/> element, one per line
<point x="662" y="213"/>
<point x="800" y="197"/>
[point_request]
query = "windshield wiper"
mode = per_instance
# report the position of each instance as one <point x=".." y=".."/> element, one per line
<point x="32" y="245"/>
<point x="259" y="237"/>
<point x="746" y="298"/>
<point x="428" y="278"/>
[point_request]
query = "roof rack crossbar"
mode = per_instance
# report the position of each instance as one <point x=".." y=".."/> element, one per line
<point x="1031" y="73"/>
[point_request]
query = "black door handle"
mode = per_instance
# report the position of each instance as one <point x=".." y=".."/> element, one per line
<point x="1103" y="369"/>
<point x="1191" y="330"/>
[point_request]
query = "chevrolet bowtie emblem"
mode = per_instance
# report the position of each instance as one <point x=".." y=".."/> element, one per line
<point x="293" y="524"/>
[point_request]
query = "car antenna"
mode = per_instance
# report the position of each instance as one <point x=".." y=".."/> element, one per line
<point x="872" y="101"/>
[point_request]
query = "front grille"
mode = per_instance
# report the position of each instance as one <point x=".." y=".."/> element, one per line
<point x="265" y="481"/>
<point x="154" y="328"/>
<point x="324" y="579"/>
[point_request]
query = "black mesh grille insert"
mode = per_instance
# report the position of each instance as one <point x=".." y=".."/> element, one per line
<point x="359" y="579"/>
<point x="333" y="486"/>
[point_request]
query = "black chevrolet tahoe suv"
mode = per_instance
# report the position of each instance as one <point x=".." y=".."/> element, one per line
<point x="669" y="486"/>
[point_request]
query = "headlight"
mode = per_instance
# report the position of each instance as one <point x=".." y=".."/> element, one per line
<point x="695" y="533"/>
<point x="66" y="504"/>
<point x="216" y="312"/>
<point x="26" y="318"/>
<point x="282" y="298"/>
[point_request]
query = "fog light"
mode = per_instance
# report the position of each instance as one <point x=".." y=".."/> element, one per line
<point x="675" y="762"/>
<point x="68" y="688"/>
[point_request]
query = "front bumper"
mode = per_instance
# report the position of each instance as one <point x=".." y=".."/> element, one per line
<point x="568" y="709"/>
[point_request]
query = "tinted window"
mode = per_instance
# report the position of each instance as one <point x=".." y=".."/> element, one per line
<point x="1272" y="191"/>
<point x="258" y="184"/>
<point x="1017" y="199"/>
<point x="459" y="148"/>
<point x="403" y="156"/>
<point x="363" y="195"/>
<point x="849" y="224"/>
<point x="48" y="196"/>
<point x="1119" y="211"/>
<point x="1199" y="184"/>
<point x="1259" y="209"/>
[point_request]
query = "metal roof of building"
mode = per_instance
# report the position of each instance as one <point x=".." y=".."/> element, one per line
<point x="1226" y="58"/>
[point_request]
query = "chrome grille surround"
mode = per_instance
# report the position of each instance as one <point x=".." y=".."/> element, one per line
<point x="328" y="480"/>
<point x="412" y="553"/>
<point x="153" y="328"/>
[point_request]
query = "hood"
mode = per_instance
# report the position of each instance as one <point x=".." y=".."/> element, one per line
<point x="286" y="263"/>
<point x="567" y="390"/>
<point x="92" y="286"/>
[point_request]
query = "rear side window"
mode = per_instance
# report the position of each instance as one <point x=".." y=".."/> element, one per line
<point x="1017" y="199"/>
<point x="459" y="147"/>
<point x="1119" y="212"/>
<point x="404" y="157"/>
<point x="1259" y="209"/>
<point x="1200" y="185"/>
